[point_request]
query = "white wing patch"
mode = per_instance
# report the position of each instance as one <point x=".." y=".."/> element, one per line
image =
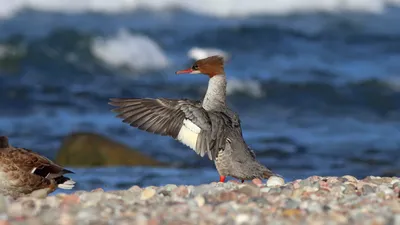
<point x="69" y="184"/>
<point x="188" y="134"/>
<point x="33" y="170"/>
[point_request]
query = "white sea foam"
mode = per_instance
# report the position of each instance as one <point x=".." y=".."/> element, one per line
<point x="197" y="53"/>
<point x="250" y="87"/>
<point x="135" y="52"/>
<point x="221" y="8"/>
<point x="392" y="82"/>
<point x="3" y="50"/>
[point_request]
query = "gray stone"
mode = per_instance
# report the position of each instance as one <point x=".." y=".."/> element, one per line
<point x="249" y="190"/>
<point x="349" y="189"/>
<point x="305" y="183"/>
<point x="385" y="189"/>
<point x="291" y="204"/>
<point x="3" y="204"/>
<point x="275" y="190"/>
<point x="367" y="189"/>
<point x="170" y="187"/>
<point x="287" y="191"/>
<point x="261" y="202"/>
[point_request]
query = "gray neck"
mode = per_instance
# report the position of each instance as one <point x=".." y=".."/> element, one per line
<point x="215" y="97"/>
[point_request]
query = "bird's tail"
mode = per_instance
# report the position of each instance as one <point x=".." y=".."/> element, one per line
<point x="4" y="142"/>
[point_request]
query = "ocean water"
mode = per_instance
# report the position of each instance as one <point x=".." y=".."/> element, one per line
<point x="317" y="85"/>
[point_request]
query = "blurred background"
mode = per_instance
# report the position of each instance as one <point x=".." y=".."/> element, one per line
<point x="316" y="83"/>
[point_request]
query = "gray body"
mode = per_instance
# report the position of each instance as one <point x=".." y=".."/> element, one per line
<point x="236" y="159"/>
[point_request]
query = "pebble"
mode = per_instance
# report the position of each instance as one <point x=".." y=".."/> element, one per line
<point x="274" y="190"/>
<point x="366" y="189"/>
<point x="395" y="180"/>
<point x="291" y="213"/>
<point x="349" y="189"/>
<point x="350" y="178"/>
<point x="135" y="188"/>
<point x="297" y="193"/>
<point x="375" y="180"/>
<point x="242" y="219"/>
<point x="249" y="190"/>
<point x="261" y="202"/>
<point x="257" y="182"/>
<point x="15" y="210"/>
<point x="88" y="214"/>
<point x="147" y="194"/>
<point x="337" y="190"/>
<point x="291" y="204"/>
<point x="170" y="187"/>
<point x="305" y="183"/>
<point x="314" y="207"/>
<point x="310" y="189"/>
<point x="200" y="200"/>
<point x="314" y="200"/>
<point x="396" y="219"/>
<point x="3" y="204"/>
<point x="265" y="190"/>
<point x="140" y="219"/>
<point x="385" y="189"/>
<point x="296" y="184"/>
<point x="98" y="190"/>
<point x="287" y="191"/>
<point x="71" y="199"/>
<point x="275" y="181"/>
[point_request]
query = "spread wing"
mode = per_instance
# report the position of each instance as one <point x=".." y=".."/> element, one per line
<point x="184" y="120"/>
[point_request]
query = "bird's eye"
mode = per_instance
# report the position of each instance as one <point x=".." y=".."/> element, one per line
<point x="195" y="67"/>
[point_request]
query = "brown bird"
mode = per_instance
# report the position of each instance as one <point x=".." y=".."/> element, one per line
<point x="23" y="171"/>
<point x="208" y="127"/>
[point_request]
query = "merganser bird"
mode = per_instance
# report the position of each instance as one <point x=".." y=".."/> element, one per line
<point x="23" y="171"/>
<point x="207" y="127"/>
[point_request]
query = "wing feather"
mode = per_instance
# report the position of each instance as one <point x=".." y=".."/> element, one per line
<point x="165" y="117"/>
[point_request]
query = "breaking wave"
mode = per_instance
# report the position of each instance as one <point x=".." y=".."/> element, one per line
<point x="71" y="51"/>
<point x="135" y="52"/>
<point x="219" y="8"/>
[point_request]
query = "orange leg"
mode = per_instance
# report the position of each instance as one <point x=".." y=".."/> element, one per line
<point x="222" y="179"/>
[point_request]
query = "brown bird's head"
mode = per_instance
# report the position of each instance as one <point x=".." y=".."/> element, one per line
<point x="211" y="66"/>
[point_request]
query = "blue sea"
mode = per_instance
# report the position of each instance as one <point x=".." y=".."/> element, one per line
<point x="316" y="83"/>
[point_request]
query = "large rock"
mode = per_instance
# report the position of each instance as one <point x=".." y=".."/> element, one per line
<point x="87" y="149"/>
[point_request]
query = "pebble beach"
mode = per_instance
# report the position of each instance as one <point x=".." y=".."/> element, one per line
<point x="314" y="200"/>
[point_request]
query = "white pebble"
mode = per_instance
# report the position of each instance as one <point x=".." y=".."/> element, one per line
<point x="15" y="210"/>
<point x="350" y="178"/>
<point x="275" y="181"/>
<point x="200" y="200"/>
<point x="310" y="189"/>
<point x="397" y="219"/>
<point x="394" y="181"/>
<point x="140" y="219"/>
<point x="265" y="190"/>
<point x="242" y="218"/>
<point x="385" y="189"/>
<point x="147" y="193"/>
